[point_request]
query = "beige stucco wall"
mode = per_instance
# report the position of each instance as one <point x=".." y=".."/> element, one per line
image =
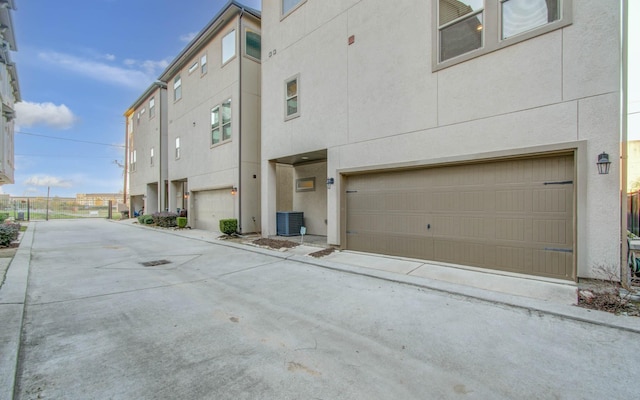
<point x="313" y="203"/>
<point x="378" y="102"/>
<point x="223" y="165"/>
<point x="147" y="134"/>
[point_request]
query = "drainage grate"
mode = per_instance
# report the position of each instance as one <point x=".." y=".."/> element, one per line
<point x="155" y="263"/>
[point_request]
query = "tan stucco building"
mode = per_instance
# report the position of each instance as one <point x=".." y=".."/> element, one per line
<point x="463" y="133"/>
<point x="201" y="150"/>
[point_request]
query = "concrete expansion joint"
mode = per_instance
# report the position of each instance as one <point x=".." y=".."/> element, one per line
<point x="462" y="290"/>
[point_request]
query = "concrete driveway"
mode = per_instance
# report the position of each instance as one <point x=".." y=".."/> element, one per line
<point x="214" y="321"/>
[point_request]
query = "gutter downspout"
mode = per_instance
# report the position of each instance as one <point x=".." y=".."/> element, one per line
<point x="624" y="268"/>
<point x="161" y="178"/>
<point x="240" y="59"/>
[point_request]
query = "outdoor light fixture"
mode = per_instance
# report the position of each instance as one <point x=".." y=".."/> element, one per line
<point x="603" y="163"/>
<point x="330" y="182"/>
<point x="186" y="195"/>
<point x="234" y="191"/>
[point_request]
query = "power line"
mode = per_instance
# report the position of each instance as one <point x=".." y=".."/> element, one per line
<point x="70" y="140"/>
<point x="59" y="156"/>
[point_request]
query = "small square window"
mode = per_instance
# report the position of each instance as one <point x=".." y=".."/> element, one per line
<point x="289" y="5"/>
<point x="228" y="46"/>
<point x="292" y="104"/>
<point x="253" y="44"/>
<point x="193" y="67"/>
<point x="177" y="88"/>
<point x="203" y="64"/>
<point x="152" y="107"/>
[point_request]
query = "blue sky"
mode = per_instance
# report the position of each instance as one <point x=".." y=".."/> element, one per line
<point x="82" y="63"/>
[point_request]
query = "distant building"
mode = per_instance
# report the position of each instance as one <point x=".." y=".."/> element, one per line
<point x="9" y="92"/>
<point x="98" y="199"/>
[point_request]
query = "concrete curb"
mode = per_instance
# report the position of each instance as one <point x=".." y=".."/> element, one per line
<point x="12" y="303"/>
<point x="631" y="324"/>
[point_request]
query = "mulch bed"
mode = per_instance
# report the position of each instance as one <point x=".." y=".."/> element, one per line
<point x="275" y="243"/>
<point x="323" y="252"/>
<point x="609" y="301"/>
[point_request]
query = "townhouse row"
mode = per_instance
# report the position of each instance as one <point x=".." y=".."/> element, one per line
<point x="470" y="133"/>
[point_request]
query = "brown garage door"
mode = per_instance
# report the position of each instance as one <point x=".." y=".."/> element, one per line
<point x="512" y="215"/>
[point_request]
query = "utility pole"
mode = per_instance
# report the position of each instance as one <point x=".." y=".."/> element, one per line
<point x="47" y="212"/>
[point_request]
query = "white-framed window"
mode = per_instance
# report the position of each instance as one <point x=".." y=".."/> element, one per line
<point x="221" y="123"/>
<point x="470" y="28"/>
<point x="252" y="44"/>
<point x="152" y="107"/>
<point x="292" y="97"/>
<point x="151" y="156"/>
<point x="177" y="88"/>
<point x="203" y="64"/>
<point x="132" y="161"/>
<point x="289" y="5"/>
<point x="228" y="46"/>
<point x="193" y="67"/>
<point x="177" y="148"/>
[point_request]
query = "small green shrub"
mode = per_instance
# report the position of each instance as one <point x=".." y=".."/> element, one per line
<point x="165" y="219"/>
<point x="3" y="217"/>
<point x="145" y="219"/>
<point x="182" y="222"/>
<point x="228" y="226"/>
<point x="8" y="233"/>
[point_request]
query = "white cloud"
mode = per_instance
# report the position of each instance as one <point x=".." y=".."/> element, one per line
<point x="109" y="57"/>
<point x="49" y="114"/>
<point x="128" y="77"/>
<point x="188" y="37"/>
<point x="45" y="180"/>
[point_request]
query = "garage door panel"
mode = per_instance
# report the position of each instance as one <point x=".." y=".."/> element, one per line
<point x="503" y="215"/>
<point x="210" y="206"/>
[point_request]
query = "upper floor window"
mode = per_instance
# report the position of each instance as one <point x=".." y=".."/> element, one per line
<point x="253" y="44"/>
<point x="177" y="148"/>
<point x="193" y="66"/>
<point x="203" y="64"/>
<point x="151" y="156"/>
<point x="177" y="88"/>
<point x="132" y="161"/>
<point x="460" y="26"/>
<point x="469" y="28"/>
<point x="289" y="5"/>
<point x="221" y="123"/>
<point x="152" y="107"/>
<point x="228" y="46"/>
<point x="520" y="16"/>
<point x="292" y="92"/>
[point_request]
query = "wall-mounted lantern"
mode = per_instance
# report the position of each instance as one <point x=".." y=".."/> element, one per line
<point x="603" y="163"/>
<point x="234" y="191"/>
<point x="330" y="181"/>
<point x="186" y="195"/>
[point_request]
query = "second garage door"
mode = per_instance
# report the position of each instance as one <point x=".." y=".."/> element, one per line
<point x="512" y="215"/>
<point x="210" y="206"/>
